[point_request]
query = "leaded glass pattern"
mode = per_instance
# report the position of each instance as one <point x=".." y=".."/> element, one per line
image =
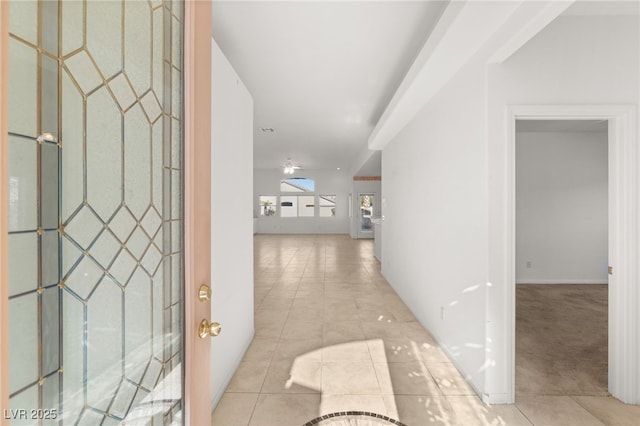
<point x="95" y="212"/>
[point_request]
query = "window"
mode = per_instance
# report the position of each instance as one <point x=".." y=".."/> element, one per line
<point x="268" y="205"/>
<point x="288" y="206"/>
<point x="306" y="206"/>
<point x="327" y="205"/>
<point x="297" y="184"/>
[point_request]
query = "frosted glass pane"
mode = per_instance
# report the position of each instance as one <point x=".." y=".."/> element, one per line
<point x="176" y="194"/>
<point x="49" y="95"/>
<point x="23" y="89"/>
<point x="151" y="259"/>
<point x="23" y="341"/>
<point x="73" y="350"/>
<point x="23" y="262"/>
<point x="122" y="91"/>
<point x="84" y="277"/>
<point x="176" y="236"/>
<point x="72" y="26"/>
<point x="176" y="278"/>
<point x="176" y="43"/>
<point x="105" y="249"/>
<point x="49" y="191"/>
<point x="158" y="79"/>
<point x="49" y="23"/>
<point x="104" y="154"/>
<point x="138" y="320"/>
<point x="26" y="399"/>
<point x="83" y="71"/>
<point x="176" y="329"/>
<point x="157" y="164"/>
<point x="90" y="418"/>
<point x="121" y="404"/>
<point x="50" y="258"/>
<point x="151" y="222"/>
<point x="306" y="206"/>
<point x="137" y="61"/>
<point x="104" y="35"/>
<point x="158" y="332"/>
<point x="122" y="224"/>
<point x="123" y="267"/>
<point x="111" y="421"/>
<point x="153" y="373"/>
<point x="84" y="227"/>
<point x="138" y="243"/>
<point x="70" y="255"/>
<point x="176" y="143"/>
<point x="50" y="330"/>
<point x="166" y="268"/>
<point x="22" y="15"/>
<point x="151" y="106"/>
<point x="72" y="154"/>
<point x="176" y="93"/>
<point x="23" y="184"/>
<point x="51" y="394"/>
<point x="137" y="161"/>
<point x="104" y="344"/>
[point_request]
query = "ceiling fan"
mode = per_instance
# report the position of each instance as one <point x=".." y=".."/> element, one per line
<point x="289" y="168"/>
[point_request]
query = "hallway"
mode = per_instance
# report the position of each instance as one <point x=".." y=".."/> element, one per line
<point x="332" y="335"/>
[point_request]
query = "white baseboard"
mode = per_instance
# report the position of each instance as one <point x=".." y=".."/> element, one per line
<point x="560" y="281"/>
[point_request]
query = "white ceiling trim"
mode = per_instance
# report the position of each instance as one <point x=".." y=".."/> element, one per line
<point x="464" y="28"/>
<point x="525" y="32"/>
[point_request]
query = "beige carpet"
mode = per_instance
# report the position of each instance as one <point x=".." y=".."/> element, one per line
<point x="561" y="339"/>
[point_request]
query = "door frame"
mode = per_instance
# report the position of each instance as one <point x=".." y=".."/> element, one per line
<point x="197" y="196"/>
<point x="4" y="209"/>
<point x="197" y="208"/>
<point x="624" y="237"/>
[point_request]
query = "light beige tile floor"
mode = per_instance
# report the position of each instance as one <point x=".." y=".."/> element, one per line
<point x="332" y="335"/>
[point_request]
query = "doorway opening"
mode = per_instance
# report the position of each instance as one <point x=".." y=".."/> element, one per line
<point x="562" y="257"/>
<point x="623" y="188"/>
<point x="365" y="214"/>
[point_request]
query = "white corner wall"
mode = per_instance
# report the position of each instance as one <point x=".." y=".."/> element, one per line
<point x="561" y="208"/>
<point x="434" y="251"/>
<point x="231" y="221"/>
<point x="445" y="180"/>
<point x="328" y="182"/>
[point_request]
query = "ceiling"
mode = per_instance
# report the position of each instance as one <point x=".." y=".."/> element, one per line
<point x="561" y="126"/>
<point x="611" y="7"/>
<point x="320" y="73"/>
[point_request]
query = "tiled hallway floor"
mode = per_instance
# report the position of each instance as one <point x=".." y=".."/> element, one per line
<point x="331" y="335"/>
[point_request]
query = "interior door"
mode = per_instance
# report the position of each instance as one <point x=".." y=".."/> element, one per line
<point x="98" y="215"/>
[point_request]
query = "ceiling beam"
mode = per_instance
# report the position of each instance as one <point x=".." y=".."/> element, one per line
<point x="464" y="28"/>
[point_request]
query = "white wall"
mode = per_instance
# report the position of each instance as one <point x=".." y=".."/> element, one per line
<point x="435" y="228"/>
<point x="445" y="178"/>
<point x="561" y="207"/>
<point x="328" y="182"/>
<point x="576" y="60"/>
<point x="231" y="221"/>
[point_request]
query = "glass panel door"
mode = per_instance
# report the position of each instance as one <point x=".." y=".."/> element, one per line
<point x="366" y="213"/>
<point x="95" y="212"/>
